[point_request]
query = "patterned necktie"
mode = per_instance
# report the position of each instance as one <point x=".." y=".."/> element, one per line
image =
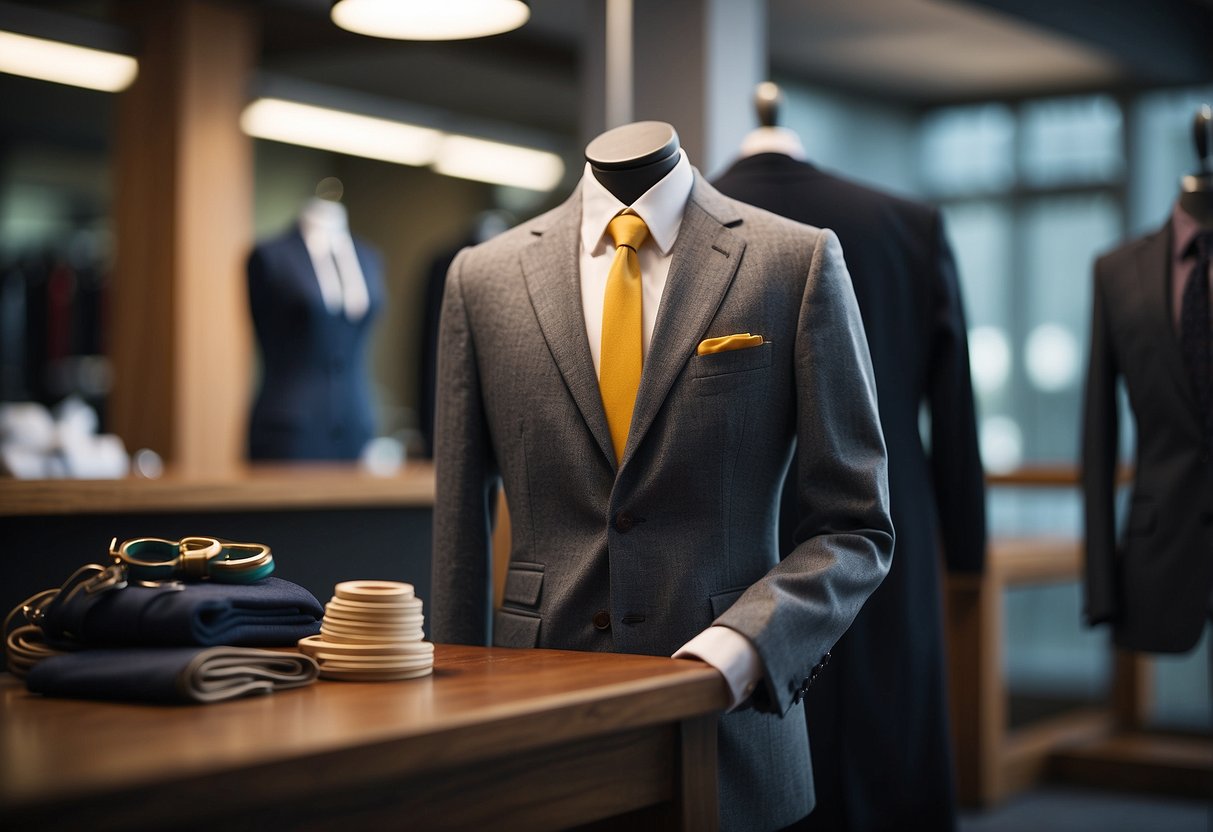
<point x="1194" y="337"/>
<point x="620" y="360"/>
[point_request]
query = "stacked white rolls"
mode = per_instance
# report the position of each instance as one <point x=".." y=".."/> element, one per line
<point x="371" y="632"/>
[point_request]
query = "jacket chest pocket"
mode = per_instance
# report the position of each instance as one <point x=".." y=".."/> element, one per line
<point x="720" y="372"/>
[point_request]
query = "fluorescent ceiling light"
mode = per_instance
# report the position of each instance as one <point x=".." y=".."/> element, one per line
<point x="408" y="144"/>
<point x="325" y="129"/>
<point x="500" y="164"/>
<point x="430" y="19"/>
<point x="63" y="63"/>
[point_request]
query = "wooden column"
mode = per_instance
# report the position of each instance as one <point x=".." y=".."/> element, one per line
<point x="180" y="340"/>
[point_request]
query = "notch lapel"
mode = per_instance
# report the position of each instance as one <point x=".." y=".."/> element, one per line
<point x="1153" y="267"/>
<point x="702" y="266"/>
<point x="551" y="268"/>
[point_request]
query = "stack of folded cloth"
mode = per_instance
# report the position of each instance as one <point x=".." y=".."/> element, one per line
<point x="177" y="642"/>
<point x="372" y="632"/>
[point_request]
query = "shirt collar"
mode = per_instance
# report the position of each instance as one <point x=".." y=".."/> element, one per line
<point x="1184" y="228"/>
<point x="660" y="207"/>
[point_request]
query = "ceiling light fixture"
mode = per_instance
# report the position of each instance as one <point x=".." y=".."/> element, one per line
<point x="390" y="140"/>
<point x="343" y="132"/>
<point x="501" y="164"/>
<point x="430" y="19"/>
<point x="64" y="63"/>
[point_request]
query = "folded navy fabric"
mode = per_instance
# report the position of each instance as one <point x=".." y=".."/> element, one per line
<point x="269" y="613"/>
<point x="170" y="674"/>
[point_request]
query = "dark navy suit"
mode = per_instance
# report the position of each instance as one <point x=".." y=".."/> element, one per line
<point x="877" y="716"/>
<point x="314" y="401"/>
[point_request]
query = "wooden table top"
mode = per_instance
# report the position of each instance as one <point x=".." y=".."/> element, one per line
<point x="480" y="703"/>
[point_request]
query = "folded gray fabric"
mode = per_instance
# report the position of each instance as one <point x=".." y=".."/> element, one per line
<point x="170" y="674"/>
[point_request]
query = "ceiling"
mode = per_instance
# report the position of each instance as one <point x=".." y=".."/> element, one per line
<point x="913" y="53"/>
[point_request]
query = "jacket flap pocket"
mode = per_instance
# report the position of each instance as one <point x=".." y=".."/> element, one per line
<point x="515" y="628"/>
<point x="523" y="581"/>
<point x="721" y="601"/>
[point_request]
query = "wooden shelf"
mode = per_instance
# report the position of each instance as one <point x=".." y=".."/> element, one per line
<point x="279" y="487"/>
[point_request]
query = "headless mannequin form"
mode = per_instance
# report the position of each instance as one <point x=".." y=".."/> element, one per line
<point x="313" y="293"/>
<point x="769" y="137"/>
<point x="629" y="160"/>
<point x="1196" y="195"/>
<point x="877" y="721"/>
<point x="1148" y="576"/>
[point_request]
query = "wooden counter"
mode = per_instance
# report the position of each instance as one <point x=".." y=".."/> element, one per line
<point x="534" y="739"/>
<point x="324" y="522"/>
<point x="277" y="487"/>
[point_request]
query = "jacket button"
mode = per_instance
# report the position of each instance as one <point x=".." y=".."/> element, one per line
<point x="624" y="522"/>
<point x="1206" y="517"/>
<point x="602" y="620"/>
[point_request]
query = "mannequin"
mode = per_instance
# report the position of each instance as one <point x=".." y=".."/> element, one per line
<point x="1153" y="583"/>
<point x="314" y="292"/>
<point x="631" y="159"/>
<point x="769" y="137"/>
<point x="651" y="549"/>
<point x="1196" y="189"/>
<point x="870" y="700"/>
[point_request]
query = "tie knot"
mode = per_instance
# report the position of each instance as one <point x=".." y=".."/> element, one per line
<point x="628" y="230"/>
<point x="1202" y="245"/>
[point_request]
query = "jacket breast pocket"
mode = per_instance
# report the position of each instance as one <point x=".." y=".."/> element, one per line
<point x="722" y="371"/>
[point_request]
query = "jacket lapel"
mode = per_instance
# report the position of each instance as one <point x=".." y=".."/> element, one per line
<point x="551" y="267"/>
<point x="1153" y="268"/>
<point x="702" y="265"/>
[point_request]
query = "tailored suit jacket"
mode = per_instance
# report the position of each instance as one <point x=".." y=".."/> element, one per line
<point x="640" y="557"/>
<point x="877" y="716"/>
<point x="314" y="400"/>
<point x="1153" y="585"/>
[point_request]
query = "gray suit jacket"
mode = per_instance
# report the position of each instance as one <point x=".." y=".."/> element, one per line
<point x="682" y="534"/>
<point x="1154" y="585"/>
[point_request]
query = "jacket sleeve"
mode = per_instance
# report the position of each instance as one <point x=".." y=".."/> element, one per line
<point x="466" y="475"/>
<point x="1100" y="436"/>
<point x="956" y="470"/>
<point x="844" y="542"/>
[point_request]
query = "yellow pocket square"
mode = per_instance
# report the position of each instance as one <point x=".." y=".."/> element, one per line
<point x="724" y="343"/>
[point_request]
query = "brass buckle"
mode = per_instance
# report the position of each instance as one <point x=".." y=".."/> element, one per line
<point x="190" y="558"/>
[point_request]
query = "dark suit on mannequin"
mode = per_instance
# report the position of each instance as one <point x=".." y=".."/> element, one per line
<point x="878" y="717"/>
<point x="676" y="536"/>
<point x="314" y="402"/>
<point x="1154" y="584"/>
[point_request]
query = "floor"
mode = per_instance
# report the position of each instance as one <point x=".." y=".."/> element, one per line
<point x="1067" y="809"/>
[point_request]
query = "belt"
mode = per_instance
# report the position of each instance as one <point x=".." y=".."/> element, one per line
<point x="192" y="559"/>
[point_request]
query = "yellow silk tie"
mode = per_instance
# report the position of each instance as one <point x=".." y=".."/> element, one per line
<point x="620" y="360"/>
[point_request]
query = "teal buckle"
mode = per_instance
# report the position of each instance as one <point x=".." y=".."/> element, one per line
<point x="192" y="559"/>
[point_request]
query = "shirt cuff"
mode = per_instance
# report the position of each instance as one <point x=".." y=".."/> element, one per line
<point x="730" y="653"/>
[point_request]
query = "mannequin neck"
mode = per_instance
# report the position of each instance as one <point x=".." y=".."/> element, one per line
<point x="629" y="160"/>
<point x="1196" y="198"/>
<point x="773" y="140"/>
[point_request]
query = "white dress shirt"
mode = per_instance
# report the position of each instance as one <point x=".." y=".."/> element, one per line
<point x="661" y="207"/>
<point x="324" y="227"/>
